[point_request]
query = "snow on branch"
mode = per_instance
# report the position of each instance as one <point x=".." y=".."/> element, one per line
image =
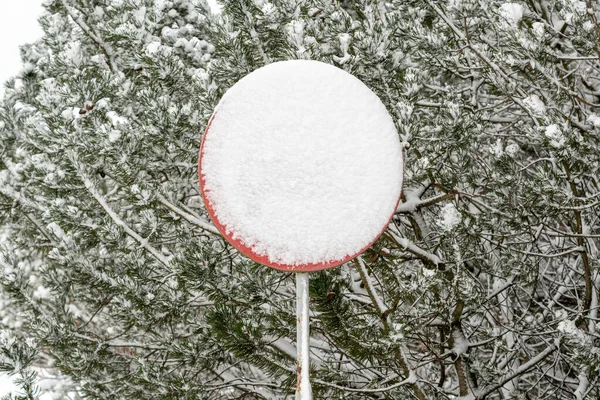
<point x="414" y="249"/>
<point x="368" y="282"/>
<point x="462" y="37"/>
<point x="521" y="370"/>
<point x="76" y="16"/>
<point x="576" y="208"/>
<point x="254" y="34"/>
<point x="89" y="185"/>
<point x="120" y="343"/>
<point x="509" y="282"/>
<point x="192" y="219"/>
<point x="496" y="68"/>
<point x="410" y="380"/>
<point x="576" y="249"/>
<point x="412" y="204"/>
<point x="241" y="383"/>
<point x="559" y="233"/>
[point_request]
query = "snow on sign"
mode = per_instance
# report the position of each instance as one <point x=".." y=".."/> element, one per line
<point x="300" y="166"/>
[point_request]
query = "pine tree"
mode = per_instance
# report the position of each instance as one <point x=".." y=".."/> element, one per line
<point x="485" y="284"/>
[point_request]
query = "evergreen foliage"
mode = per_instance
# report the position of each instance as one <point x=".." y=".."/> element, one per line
<point x="485" y="285"/>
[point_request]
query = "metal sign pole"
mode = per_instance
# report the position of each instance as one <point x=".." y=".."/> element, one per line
<point x="303" y="388"/>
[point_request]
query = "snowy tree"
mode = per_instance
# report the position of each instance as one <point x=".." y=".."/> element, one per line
<point x="485" y="285"/>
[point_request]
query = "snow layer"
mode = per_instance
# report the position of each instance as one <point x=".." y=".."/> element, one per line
<point x="301" y="165"/>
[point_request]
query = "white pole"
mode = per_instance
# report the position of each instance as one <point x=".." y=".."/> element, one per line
<point x="303" y="389"/>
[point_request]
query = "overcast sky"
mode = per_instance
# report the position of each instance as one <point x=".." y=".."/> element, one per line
<point x="18" y="25"/>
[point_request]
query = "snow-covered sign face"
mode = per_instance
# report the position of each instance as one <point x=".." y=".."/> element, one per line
<point x="300" y="166"/>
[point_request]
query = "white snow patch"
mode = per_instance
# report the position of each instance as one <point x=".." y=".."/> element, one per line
<point x="115" y="119"/>
<point x="412" y="377"/>
<point x="215" y="7"/>
<point x="7" y="385"/>
<point x="114" y="135"/>
<point x="101" y="104"/>
<point x="74" y="310"/>
<point x="139" y="14"/>
<point x="344" y="39"/>
<point x="594" y="120"/>
<point x="302" y="163"/>
<point x="461" y="344"/>
<point x="152" y="48"/>
<point x="100" y="60"/>
<point x="538" y="29"/>
<point x="512" y="149"/>
<point x="170" y="32"/>
<point x="555" y="135"/>
<point x="98" y="12"/>
<point x="396" y="333"/>
<point x="580" y="7"/>
<point x="42" y="293"/>
<point x="412" y="199"/>
<point x="56" y="230"/>
<point x="69" y="113"/>
<point x="28" y="67"/>
<point x="568" y="16"/>
<point x="73" y="53"/>
<point x="454" y="110"/>
<point x="588" y="26"/>
<point x="570" y="330"/>
<point x="512" y="12"/>
<point x="454" y="4"/>
<point x="535" y="104"/>
<point x="268" y="9"/>
<point x="295" y="30"/>
<point x="497" y="150"/>
<point x="560" y="314"/>
<point x="449" y="217"/>
<point x="583" y="384"/>
<point x="568" y="327"/>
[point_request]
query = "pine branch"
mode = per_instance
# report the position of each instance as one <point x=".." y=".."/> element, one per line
<point x="253" y="33"/>
<point x="414" y="249"/>
<point x="520" y="371"/>
<point x="410" y="380"/>
<point x="383" y="315"/>
<point x="368" y="282"/>
<point x="414" y="204"/>
<point x="119" y="222"/>
<point x="192" y="219"/>
<point x="106" y="48"/>
<point x="120" y="343"/>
